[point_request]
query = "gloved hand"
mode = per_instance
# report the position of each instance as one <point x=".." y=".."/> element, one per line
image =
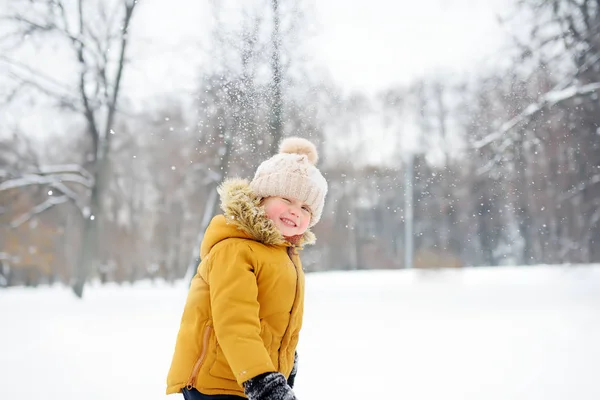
<point x="269" y="386"/>
<point x="292" y="377"/>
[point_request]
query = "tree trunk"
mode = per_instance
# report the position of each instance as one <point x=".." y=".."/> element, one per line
<point x="275" y="123"/>
<point x="101" y="146"/>
<point x="87" y="252"/>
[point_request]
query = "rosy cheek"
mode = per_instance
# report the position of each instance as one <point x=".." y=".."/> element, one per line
<point x="305" y="222"/>
<point x="274" y="211"/>
<point x="273" y="214"/>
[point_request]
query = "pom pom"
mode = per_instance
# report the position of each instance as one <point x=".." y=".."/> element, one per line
<point x="296" y="145"/>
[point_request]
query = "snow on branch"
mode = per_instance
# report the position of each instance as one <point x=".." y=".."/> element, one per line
<point x="70" y="168"/>
<point x="579" y="188"/>
<point x="73" y="196"/>
<point x="53" y="180"/>
<point x="27" y="180"/>
<point x="548" y="100"/>
<point x="50" y="202"/>
<point x="56" y="178"/>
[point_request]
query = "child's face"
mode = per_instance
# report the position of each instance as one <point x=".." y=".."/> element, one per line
<point x="290" y="216"/>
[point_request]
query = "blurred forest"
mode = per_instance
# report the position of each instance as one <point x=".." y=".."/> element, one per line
<point x="506" y="168"/>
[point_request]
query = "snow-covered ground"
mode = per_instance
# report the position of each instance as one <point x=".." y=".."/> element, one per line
<point x="507" y="333"/>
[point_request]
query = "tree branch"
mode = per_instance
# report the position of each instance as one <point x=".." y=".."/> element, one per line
<point x="124" y="40"/>
<point x="88" y="110"/>
<point x="50" y="202"/>
<point x="578" y="189"/>
<point x="69" y="168"/>
<point x="64" y="101"/>
<point x="548" y="100"/>
<point x="30" y="27"/>
<point x="38" y="74"/>
<point x="53" y="180"/>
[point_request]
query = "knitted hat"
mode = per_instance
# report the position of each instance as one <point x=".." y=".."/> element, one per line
<point x="292" y="173"/>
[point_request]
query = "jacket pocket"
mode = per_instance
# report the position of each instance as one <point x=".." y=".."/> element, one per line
<point x="272" y="343"/>
<point x="221" y="368"/>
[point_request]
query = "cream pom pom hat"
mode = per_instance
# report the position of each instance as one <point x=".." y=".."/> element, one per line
<point x="292" y="173"/>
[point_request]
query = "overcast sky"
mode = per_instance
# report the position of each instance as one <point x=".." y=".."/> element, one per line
<point x="364" y="44"/>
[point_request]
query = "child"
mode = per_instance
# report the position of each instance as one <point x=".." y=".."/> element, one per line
<point x="243" y="314"/>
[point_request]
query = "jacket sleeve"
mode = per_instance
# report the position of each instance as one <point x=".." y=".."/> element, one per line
<point x="235" y="311"/>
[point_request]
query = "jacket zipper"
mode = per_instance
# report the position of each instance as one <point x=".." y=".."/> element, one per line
<point x="196" y="369"/>
<point x="289" y="253"/>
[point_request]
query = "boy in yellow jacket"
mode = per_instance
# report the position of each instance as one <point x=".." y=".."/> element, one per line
<point x="243" y="314"/>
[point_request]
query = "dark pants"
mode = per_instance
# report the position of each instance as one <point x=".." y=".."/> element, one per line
<point x="196" y="395"/>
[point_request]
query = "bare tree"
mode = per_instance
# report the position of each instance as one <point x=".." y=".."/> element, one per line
<point x="554" y="129"/>
<point x="93" y="32"/>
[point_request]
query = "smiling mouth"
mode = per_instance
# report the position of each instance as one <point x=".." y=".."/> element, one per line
<point x="288" y="222"/>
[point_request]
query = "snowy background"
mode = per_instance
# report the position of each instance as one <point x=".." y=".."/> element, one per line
<point x="518" y="333"/>
<point x="452" y="133"/>
<point x="458" y="253"/>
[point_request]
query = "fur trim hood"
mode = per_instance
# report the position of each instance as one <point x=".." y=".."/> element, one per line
<point x="242" y="210"/>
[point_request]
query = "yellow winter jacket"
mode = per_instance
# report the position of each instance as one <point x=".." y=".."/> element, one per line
<point x="245" y="305"/>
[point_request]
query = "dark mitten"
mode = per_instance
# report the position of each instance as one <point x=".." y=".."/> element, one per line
<point x="268" y="386"/>
<point x="292" y="377"/>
